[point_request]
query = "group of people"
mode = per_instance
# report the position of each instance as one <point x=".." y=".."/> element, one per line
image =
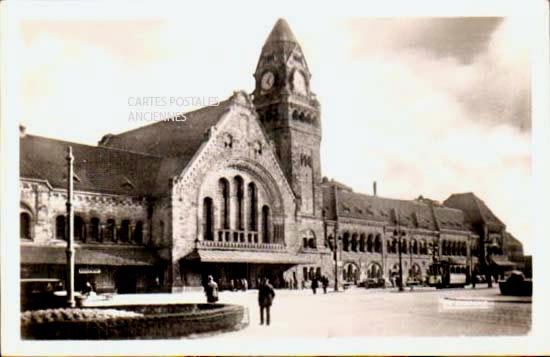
<point x="315" y="284"/>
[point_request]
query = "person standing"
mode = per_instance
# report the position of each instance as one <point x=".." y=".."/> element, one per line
<point x="266" y="294"/>
<point x="324" y="281"/>
<point x="314" y="285"/>
<point x="211" y="290"/>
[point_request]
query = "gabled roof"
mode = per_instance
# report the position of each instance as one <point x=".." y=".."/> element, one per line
<point x="180" y="138"/>
<point x="97" y="169"/>
<point x="408" y="213"/>
<point x="475" y="210"/>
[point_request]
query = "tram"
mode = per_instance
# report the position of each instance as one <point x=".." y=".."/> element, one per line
<point x="447" y="274"/>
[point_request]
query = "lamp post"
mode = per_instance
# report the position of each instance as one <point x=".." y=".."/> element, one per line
<point x="399" y="234"/>
<point x="70" y="229"/>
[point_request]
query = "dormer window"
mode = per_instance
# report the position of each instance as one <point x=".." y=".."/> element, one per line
<point x="227" y="141"/>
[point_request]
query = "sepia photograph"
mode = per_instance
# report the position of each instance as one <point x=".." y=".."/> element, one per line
<point x="194" y="182"/>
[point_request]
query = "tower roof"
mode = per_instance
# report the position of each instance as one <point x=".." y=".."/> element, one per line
<point x="281" y="32"/>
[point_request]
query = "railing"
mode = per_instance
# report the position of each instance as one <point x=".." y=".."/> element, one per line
<point x="240" y="245"/>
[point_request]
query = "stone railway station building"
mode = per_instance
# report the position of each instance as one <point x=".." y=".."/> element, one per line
<point x="235" y="191"/>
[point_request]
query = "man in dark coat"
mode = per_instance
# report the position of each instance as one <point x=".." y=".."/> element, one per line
<point x="324" y="281"/>
<point x="211" y="290"/>
<point x="314" y="285"/>
<point x="266" y="294"/>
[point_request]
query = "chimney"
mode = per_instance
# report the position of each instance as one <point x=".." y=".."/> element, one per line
<point x="374" y="188"/>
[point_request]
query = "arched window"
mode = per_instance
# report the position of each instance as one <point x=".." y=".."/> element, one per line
<point x="346" y="242"/>
<point x="79" y="229"/>
<point x="265" y="224"/>
<point x="404" y="246"/>
<point x="305" y="243"/>
<point x="306" y="275"/>
<point x="378" y="243"/>
<point x="394" y="246"/>
<point x="414" y="247"/>
<point x="125" y="231"/>
<point x="253" y="225"/>
<point x="362" y="243"/>
<point x="94" y="229"/>
<point x="138" y="233"/>
<point x="370" y="243"/>
<point x="374" y="271"/>
<point x="239" y="191"/>
<point x="444" y="248"/>
<point x="110" y="230"/>
<point x="224" y="192"/>
<point x="311" y="273"/>
<point x="60" y="227"/>
<point x="208" y="218"/>
<point x="25" y="225"/>
<point x="354" y="242"/>
<point x="389" y="246"/>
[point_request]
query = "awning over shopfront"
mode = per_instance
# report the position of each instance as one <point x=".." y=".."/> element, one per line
<point x="232" y="256"/>
<point x="117" y="256"/>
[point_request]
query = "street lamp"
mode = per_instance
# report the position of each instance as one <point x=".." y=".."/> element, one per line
<point x="399" y="234"/>
<point x="70" y="251"/>
<point x="334" y="245"/>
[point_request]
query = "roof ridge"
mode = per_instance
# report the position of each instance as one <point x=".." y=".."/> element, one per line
<point x="168" y="119"/>
<point x="93" y="146"/>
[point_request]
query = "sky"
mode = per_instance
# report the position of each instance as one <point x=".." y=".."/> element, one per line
<point x="424" y="106"/>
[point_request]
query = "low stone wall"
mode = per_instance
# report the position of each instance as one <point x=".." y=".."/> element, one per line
<point x="130" y="321"/>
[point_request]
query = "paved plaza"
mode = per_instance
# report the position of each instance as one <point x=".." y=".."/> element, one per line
<point x="374" y="313"/>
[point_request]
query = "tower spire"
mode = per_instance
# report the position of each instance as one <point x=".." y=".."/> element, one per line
<point x="281" y="32"/>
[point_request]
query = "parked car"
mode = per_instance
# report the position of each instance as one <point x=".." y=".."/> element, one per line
<point x="374" y="283"/>
<point x="516" y="284"/>
<point x="45" y="293"/>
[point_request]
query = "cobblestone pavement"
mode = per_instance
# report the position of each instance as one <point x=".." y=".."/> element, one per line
<point x="374" y="313"/>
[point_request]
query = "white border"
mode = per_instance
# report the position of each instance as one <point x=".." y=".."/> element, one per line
<point x="536" y="343"/>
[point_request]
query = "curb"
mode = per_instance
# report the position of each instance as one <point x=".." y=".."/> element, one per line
<point x="515" y="301"/>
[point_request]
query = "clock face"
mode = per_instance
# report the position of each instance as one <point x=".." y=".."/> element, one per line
<point x="299" y="83"/>
<point x="268" y="79"/>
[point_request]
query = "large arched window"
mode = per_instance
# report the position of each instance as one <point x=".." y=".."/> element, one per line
<point x="94" y="229"/>
<point x="378" y="243"/>
<point x="138" y="233"/>
<point x="60" y="227"/>
<point x="265" y="224"/>
<point x="346" y="242"/>
<point x="25" y="225"/>
<point x="374" y="271"/>
<point x="252" y="196"/>
<point x="239" y="194"/>
<point x="208" y="218"/>
<point x="224" y="192"/>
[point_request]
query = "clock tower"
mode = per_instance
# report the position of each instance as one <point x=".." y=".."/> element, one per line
<point x="290" y="114"/>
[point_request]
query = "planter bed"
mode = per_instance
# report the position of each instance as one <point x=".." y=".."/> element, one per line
<point x="130" y="321"/>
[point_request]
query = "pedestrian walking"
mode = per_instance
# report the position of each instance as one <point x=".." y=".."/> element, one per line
<point x="211" y="290"/>
<point x="266" y="294"/>
<point x="314" y="285"/>
<point x="324" y="281"/>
